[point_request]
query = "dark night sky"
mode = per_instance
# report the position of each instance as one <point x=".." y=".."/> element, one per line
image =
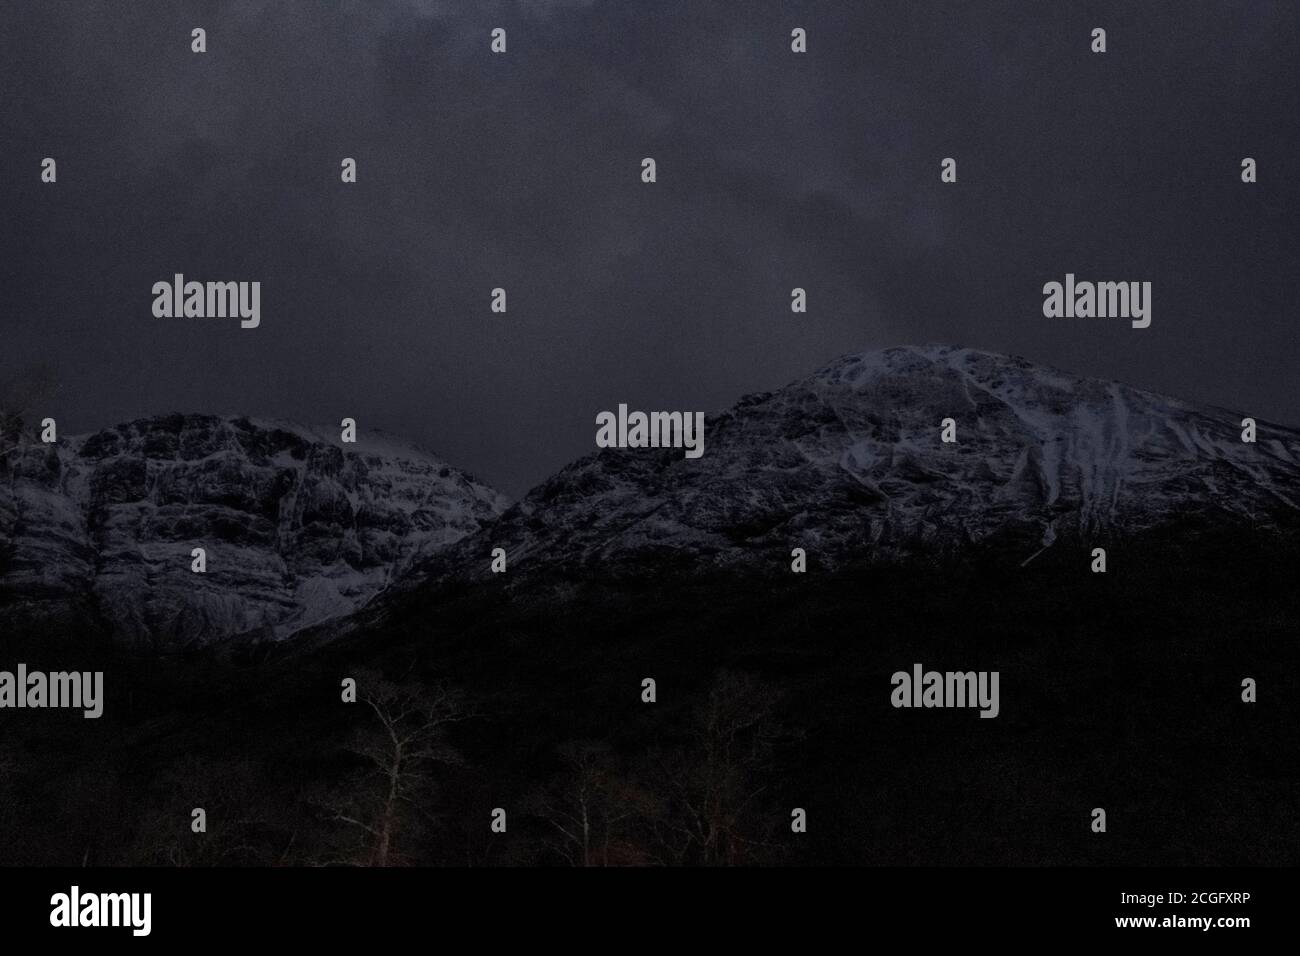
<point x="775" y="170"/>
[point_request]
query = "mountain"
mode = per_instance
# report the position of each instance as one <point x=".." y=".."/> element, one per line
<point x="97" y="530"/>
<point x="1122" y="690"/>
<point x="848" y="463"/>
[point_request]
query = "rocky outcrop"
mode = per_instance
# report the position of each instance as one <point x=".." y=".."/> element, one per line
<point x="849" y="464"/>
<point x="297" y="528"/>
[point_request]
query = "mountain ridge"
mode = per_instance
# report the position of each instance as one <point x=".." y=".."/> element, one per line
<point x="848" y="463"/>
<point x="298" y="528"/>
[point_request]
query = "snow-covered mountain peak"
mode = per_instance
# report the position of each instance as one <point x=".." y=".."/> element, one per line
<point x="850" y="463"/>
<point x="296" y="527"/>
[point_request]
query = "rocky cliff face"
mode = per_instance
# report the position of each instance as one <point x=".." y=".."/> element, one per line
<point x="848" y="464"/>
<point x="297" y="527"/>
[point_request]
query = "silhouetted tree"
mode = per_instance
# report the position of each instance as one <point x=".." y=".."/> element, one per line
<point x="590" y="807"/>
<point x="241" y="828"/>
<point x="712" y="809"/>
<point x="405" y="737"/>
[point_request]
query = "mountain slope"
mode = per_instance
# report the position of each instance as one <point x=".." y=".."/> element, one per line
<point x="848" y="464"/>
<point x="297" y="528"/>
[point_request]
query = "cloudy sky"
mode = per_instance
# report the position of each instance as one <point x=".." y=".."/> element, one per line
<point x="523" y="171"/>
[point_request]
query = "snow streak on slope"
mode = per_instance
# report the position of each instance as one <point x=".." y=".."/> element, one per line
<point x="848" y="464"/>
